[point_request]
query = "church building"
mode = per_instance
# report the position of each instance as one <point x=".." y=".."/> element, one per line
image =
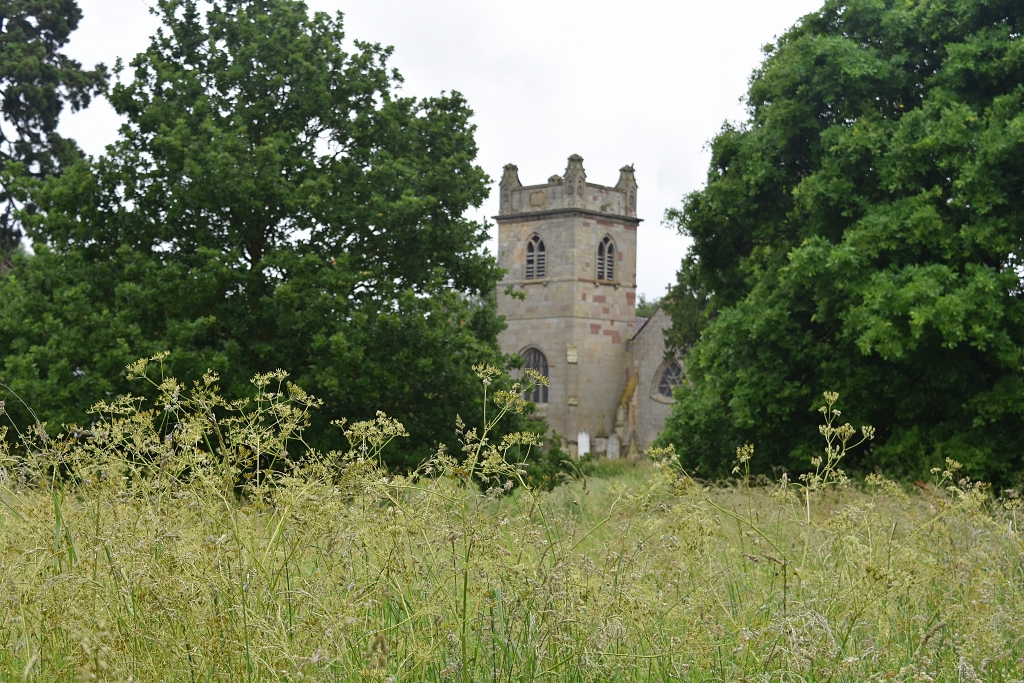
<point x="569" y="298"/>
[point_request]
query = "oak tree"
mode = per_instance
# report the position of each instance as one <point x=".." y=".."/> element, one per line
<point x="273" y="200"/>
<point x="862" y="231"/>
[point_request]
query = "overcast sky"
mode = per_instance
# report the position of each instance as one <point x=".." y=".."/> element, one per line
<point x="646" y="82"/>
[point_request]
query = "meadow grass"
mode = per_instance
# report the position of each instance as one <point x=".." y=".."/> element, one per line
<point x="184" y="543"/>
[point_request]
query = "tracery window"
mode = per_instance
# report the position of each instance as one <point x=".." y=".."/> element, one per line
<point x="535" y="360"/>
<point x="536" y="261"/>
<point x="606" y="259"/>
<point x="671" y="377"/>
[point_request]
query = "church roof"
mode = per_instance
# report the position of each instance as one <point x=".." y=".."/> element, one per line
<point x="643" y="322"/>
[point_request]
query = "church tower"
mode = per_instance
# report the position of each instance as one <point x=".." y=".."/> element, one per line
<point x="569" y="249"/>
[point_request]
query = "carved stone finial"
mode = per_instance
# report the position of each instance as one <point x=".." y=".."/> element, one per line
<point x="627" y="178"/>
<point x="627" y="184"/>
<point x="510" y="176"/>
<point x="575" y="181"/>
<point x="509" y="182"/>
<point x="555" y="179"/>
<point x="575" y="165"/>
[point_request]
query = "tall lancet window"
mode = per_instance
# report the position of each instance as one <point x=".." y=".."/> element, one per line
<point x="606" y="259"/>
<point x="534" y="359"/>
<point x="536" y="261"/>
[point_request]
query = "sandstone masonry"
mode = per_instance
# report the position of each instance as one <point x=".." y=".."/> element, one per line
<point x="569" y="249"/>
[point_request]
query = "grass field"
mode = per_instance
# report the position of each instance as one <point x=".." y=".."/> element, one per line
<point x="139" y="552"/>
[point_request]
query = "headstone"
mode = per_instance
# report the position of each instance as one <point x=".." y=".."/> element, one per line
<point x="583" y="442"/>
<point x="613" y="447"/>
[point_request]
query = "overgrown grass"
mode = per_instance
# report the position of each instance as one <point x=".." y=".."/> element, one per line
<point x="159" y="546"/>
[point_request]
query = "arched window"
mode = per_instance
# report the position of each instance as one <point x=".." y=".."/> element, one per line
<point x="535" y="360"/>
<point x="606" y="259"/>
<point x="536" y="261"/>
<point x="671" y="377"/>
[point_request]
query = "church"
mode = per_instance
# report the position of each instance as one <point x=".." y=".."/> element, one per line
<point x="568" y="248"/>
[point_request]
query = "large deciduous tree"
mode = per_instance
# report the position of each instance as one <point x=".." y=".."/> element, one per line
<point x="36" y="82"/>
<point x="862" y="232"/>
<point x="272" y="201"/>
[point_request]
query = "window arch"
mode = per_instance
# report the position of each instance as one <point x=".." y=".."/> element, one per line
<point x="671" y="377"/>
<point x="536" y="258"/>
<point x="534" y="359"/>
<point x="606" y="259"/>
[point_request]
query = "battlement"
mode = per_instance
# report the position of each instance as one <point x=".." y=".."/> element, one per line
<point x="567" y="192"/>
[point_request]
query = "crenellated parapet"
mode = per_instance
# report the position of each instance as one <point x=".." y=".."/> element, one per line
<point x="568" y="191"/>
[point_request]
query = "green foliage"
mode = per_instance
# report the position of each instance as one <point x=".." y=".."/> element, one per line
<point x="645" y="307"/>
<point x="272" y="201"/>
<point x="160" y="556"/>
<point x="687" y="305"/>
<point x="36" y="81"/>
<point x="863" y="230"/>
<point x="550" y="467"/>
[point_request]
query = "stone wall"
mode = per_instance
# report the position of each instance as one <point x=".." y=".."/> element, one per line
<point x="581" y="324"/>
<point x="649" y="409"/>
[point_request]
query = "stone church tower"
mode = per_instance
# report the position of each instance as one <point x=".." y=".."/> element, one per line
<point x="569" y="249"/>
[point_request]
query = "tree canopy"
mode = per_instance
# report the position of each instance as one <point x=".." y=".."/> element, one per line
<point x="36" y="81"/>
<point x="861" y="232"/>
<point x="272" y="201"/>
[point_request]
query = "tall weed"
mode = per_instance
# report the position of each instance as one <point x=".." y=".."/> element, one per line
<point x="200" y="540"/>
